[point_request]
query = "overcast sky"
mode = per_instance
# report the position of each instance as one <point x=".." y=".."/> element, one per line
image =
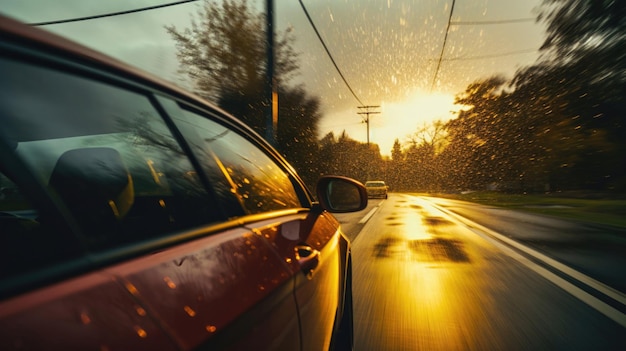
<point x="387" y="50"/>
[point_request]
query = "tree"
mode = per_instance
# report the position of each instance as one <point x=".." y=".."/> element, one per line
<point x="478" y="138"/>
<point x="432" y="136"/>
<point x="420" y="163"/>
<point x="558" y="122"/>
<point x="396" y="176"/>
<point x="223" y="52"/>
<point x="396" y="151"/>
<point x="579" y="87"/>
<point x="297" y="132"/>
<point x="348" y="157"/>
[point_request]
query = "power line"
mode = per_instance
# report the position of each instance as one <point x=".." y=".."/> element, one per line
<point x="490" y="56"/>
<point x="443" y="47"/>
<point x="458" y="23"/>
<point x="328" y="52"/>
<point x="112" y="14"/>
<point x="473" y="23"/>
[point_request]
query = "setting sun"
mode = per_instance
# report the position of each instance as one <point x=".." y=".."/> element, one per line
<point x="398" y="118"/>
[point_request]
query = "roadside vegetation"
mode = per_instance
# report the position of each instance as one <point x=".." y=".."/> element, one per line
<point x="556" y="126"/>
<point x="586" y="207"/>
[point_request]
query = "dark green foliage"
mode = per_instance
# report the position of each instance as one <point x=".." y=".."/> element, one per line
<point x="557" y="125"/>
<point x="348" y="157"/>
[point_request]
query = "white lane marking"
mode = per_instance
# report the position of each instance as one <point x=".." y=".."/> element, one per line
<point x="573" y="290"/>
<point x="370" y="213"/>
<point x="600" y="306"/>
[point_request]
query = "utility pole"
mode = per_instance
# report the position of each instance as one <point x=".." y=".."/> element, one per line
<point x="366" y="110"/>
<point x="271" y="124"/>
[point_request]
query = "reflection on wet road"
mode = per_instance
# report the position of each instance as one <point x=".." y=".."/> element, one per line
<point x="435" y="246"/>
<point x="422" y="281"/>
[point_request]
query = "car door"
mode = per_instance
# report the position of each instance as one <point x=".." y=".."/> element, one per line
<point x="310" y="244"/>
<point x="277" y="210"/>
<point x="224" y="291"/>
<point x="250" y="187"/>
<point x="320" y="292"/>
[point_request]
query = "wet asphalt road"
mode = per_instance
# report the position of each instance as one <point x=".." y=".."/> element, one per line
<point x="435" y="275"/>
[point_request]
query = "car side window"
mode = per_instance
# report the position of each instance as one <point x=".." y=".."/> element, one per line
<point x="27" y="241"/>
<point x="257" y="181"/>
<point x="105" y="151"/>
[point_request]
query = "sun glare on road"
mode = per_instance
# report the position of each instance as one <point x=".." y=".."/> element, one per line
<point x="425" y="278"/>
<point x="414" y="228"/>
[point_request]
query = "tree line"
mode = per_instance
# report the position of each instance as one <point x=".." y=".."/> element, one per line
<point x="557" y="125"/>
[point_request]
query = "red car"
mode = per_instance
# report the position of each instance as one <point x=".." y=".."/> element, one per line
<point x="136" y="216"/>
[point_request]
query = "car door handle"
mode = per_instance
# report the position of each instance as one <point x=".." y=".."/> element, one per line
<point x="308" y="258"/>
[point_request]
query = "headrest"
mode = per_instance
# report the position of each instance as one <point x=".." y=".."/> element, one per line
<point x="94" y="177"/>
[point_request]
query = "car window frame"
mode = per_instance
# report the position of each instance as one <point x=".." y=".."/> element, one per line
<point x="303" y="193"/>
<point x="94" y="65"/>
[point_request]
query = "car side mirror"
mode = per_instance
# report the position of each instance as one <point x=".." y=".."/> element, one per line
<point x="339" y="194"/>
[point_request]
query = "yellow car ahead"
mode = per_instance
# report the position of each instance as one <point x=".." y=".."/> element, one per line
<point x="376" y="188"/>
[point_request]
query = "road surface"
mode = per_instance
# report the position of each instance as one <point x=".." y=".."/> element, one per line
<point x="436" y="275"/>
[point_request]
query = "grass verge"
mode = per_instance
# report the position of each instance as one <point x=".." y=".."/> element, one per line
<point x="604" y="211"/>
